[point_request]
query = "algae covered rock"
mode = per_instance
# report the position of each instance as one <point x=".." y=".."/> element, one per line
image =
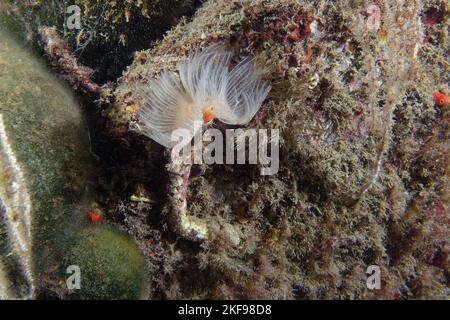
<point x="363" y="169"/>
<point x="47" y="174"/>
<point x="111" y="265"/>
<point x="109" y="31"/>
<point x="348" y="193"/>
<point x="47" y="181"/>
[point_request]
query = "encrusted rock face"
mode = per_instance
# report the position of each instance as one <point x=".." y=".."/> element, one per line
<point x="46" y="177"/>
<point x="352" y="84"/>
<point x="109" y="31"/>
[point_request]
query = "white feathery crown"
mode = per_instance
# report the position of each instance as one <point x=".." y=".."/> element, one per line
<point x="204" y="89"/>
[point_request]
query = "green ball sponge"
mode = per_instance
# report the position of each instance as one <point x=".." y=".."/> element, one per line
<point x="111" y="265"/>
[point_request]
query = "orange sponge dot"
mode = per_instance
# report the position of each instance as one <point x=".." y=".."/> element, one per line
<point x="440" y="99"/>
<point x="94" y="217"/>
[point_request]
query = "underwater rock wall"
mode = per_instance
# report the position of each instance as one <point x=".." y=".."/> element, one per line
<point x="110" y="32"/>
<point x="363" y="156"/>
<point x="345" y="82"/>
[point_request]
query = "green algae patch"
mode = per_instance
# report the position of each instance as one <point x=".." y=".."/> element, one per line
<point x="45" y="142"/>
<point x="46" y="151"/>
<point x="110" y="263"/>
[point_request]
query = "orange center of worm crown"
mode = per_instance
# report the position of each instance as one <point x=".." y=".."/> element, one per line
<point x="208" y="114"/>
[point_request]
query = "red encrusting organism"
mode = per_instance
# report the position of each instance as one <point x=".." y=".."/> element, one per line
<point x="440" y="99"/>
<point x="94" y="217"/>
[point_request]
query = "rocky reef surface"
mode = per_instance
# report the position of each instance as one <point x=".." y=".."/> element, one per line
<point x="354" y="105"/>
<point x="363" y="175"/>
<point x="109" y="32"/>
